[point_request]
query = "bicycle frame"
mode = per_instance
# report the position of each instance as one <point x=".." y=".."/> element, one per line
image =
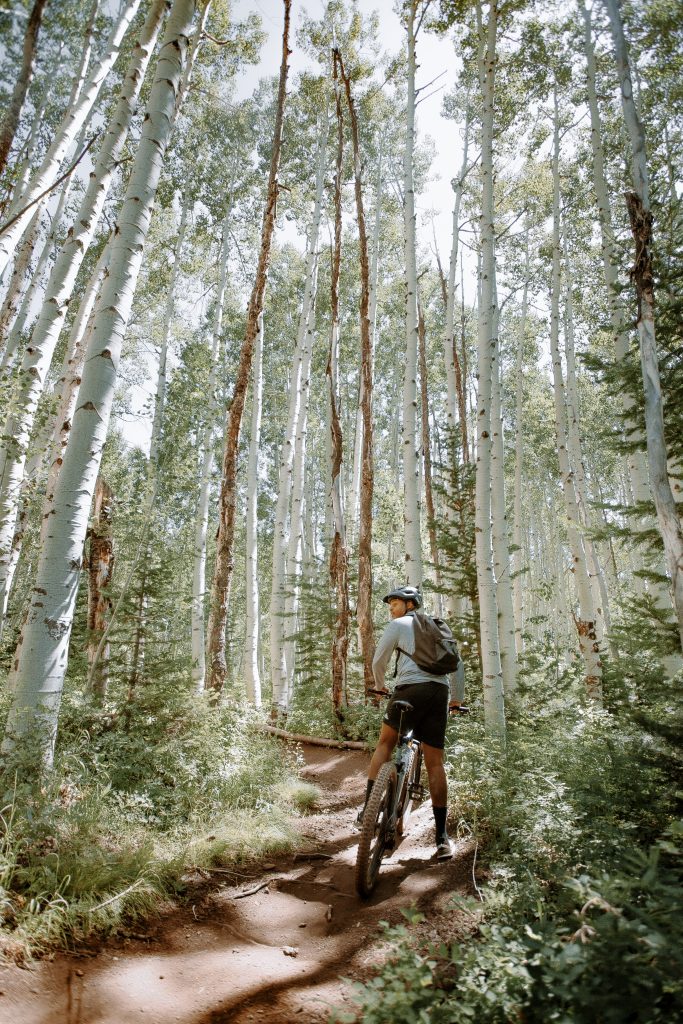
<point x="386" y="813"/>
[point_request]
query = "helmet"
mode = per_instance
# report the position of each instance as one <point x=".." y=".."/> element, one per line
<point x="406" y="593"/>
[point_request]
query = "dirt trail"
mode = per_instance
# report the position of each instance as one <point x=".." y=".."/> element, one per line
<point x="273" y="957"/>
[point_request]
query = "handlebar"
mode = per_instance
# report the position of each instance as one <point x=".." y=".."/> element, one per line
<point x="462" y="709"/>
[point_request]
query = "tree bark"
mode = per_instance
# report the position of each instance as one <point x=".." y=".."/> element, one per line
<point x="494" y="701"/>
<point x="585" y="622"/>
<point x="228" y="498"/>
<point x="74" y="119"/>
<point x="42" y="653"/>
<point x="282" y="532"/>
<point x="413" y="543"/>
<point x="252" y="676"/>
<point x="202" y="521"/>
<point x="100" y="571"/>
<point x="499" y="521"/>
<point x="338" y="551"/>
<point x="638" y="204"/>
<point x="367" y="324"/>
<point x="427" y="456"/>
<point x="10" y="121"/>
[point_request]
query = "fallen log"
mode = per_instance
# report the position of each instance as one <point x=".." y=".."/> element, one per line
<point x="315" y="741"/>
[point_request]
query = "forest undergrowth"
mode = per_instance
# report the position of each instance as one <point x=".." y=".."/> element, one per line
<point x="129" y="811"/>
<point x="578" y="833"/>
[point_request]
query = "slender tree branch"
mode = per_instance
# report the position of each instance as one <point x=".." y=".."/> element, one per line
<point x="5" y="227"/>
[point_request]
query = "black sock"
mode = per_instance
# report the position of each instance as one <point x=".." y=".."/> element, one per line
<point x="440" y="814"/>
<point x="368" y="791"/>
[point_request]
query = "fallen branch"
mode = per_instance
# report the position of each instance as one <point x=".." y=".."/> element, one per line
<point x="315" y="741"/>
<point x="250" y="892"/>
<point x="118" y="896"/>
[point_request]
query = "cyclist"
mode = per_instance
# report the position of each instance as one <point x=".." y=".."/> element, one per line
<point x="432" y="698"/>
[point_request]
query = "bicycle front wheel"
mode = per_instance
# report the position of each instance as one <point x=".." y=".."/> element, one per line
<point x="373" y="833"/>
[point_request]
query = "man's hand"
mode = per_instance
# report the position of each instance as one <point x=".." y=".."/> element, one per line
<point x="456" y="708"/>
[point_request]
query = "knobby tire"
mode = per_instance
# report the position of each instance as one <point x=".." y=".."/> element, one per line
<point x="372" y="842"/>
<point x="405" y="803"/>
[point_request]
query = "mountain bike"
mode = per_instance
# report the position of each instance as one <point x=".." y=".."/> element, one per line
<point x="397" y="788"/>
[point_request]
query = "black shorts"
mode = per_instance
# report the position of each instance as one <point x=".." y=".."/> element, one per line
<point x="429" y="716"/>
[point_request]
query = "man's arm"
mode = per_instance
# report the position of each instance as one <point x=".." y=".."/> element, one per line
<point x="457" y="685"/>
<point x="386" y="646"/>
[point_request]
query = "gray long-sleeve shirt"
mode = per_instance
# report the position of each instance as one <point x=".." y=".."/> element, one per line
<point x="400" y="633"/>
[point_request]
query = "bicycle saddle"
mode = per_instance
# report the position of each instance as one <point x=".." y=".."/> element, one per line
<point x="405" y="704"/>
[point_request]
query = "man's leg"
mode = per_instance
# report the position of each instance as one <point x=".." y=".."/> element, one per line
<point x="438" y="790"/>
<point x="388" y="738"/>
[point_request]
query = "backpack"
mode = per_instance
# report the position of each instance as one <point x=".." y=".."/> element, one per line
<point x="436" y="651"/>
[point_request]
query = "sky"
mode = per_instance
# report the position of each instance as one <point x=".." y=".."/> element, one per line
<point x="435" y="55"/>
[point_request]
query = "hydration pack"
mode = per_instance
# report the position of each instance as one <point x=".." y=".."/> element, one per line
<point x="436" y="651"/>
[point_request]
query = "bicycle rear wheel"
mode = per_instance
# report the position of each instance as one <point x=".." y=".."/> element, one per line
<point x="404" y="802"/>
<point x="373" y="833"/>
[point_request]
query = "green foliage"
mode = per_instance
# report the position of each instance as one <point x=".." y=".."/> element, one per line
<point x="579" y="920"/>
<point x="128" y="806"/>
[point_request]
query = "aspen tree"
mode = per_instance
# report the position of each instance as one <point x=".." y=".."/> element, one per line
<point x="280" y="692"/>
<point x="45" y="334"/>
<point x="517" y="554"/>
<point x="576" y="460"/>
<point x="494" y="703"/>
<point x="42" y="652"/>
<point x="72" y="122"/>
<point x="585" y="622"/>
<point x="100" y="567"/>
<point x="354" y="497"/>
<point x="298" y="476"/>
<point x="338" y="550"/>
<point x="252" y="675"/>
<point x="69" y="380"/>
<point x="206" y="463"/>
<point x="368" y="312"/>
<point x="228" y="497"/>
<point x="413" y="543"/>
<point x="499" y="523"/>
<point x="454" y="407"/>
<point x="427" y="455"/>
<point x="640" y="214"/>
<point x="637" y="459"/>
<point x="10" y="121"/>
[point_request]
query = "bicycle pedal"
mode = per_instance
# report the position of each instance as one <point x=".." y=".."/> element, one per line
<point x="416" y="791"/>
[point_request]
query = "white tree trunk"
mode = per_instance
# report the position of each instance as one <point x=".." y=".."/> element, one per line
<point x="585" y="623"/>
<point x="278" y="626"/>
<point x="575" y="448"/>
<point x="202" y="521"/>
<point x="42" y="653"/>
<point x="74" y="119"/>
<point x="494" y="701"/>
<point x="518" y="553"/>
<point x="354" y="495"/>
<point x="636" y="460"/>
<point x="411" y="484"/>
<point x="46" y="332"/>
<point x="296" y="516"/>
<point x="638" y="202"/>
<point x="69" y="380"/>
<point x="252" y="676"/>
<point x="499" y="522"/>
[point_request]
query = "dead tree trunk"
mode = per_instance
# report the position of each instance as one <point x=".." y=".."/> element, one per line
<point x="364" y="612"/>
<point x="100" y="570"/>
<point x="339" y="559"/>
<point x="228" y="499"/>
